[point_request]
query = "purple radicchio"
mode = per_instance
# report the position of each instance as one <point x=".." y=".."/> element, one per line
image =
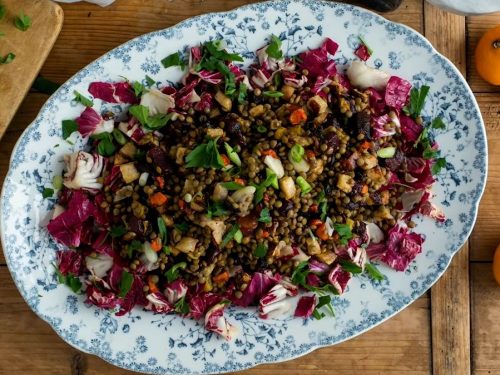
<point x="83" y="170"/>
<point x="69" y="262"/>
<point x="176" y="290"/>
<point x="258" y="286"/>
<point x="158" y="303"/>
<point x="199" y="303"/>
<point x="316" y="61"/>
<point x="274" y="302"/>
<point x="397" y="92"/>
<point x="216" y="322"/>
<point x="120" y="92"/>
<point x="339" y="278"/>
<point x="91" y="123"/>
<point x="101" y="297"/>
<point x="306" y="306"/>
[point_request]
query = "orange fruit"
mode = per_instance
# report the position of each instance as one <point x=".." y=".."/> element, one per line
<point x="496" y="264"/>
<point x="488" y="56"/>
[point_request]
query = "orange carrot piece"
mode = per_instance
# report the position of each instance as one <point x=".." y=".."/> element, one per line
<point x="298" y="116"/>
<point x="239" y="181"/>
<point x="182" y="204"/>
<point x="152" y="286"/>
<point x="221" y="277"/>
<point x="313" y="208"/>
<point x="310" y="154"/>
<point x="156" y="244"/>
<point x="321" y="232"/>
<point x="160" y="181"/>
<point x="364" y="189"/>
<point x="271" y="153"/>
<point x="265" y="234"/>
<point x="158" y="199"/>
<point x="225" y="160"/>
<point x="365" y="145"/>
<point x="316" y="222"/>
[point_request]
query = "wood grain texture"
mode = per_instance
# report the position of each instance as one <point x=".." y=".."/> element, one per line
<point x="486" y="235"/>
<point x="476" y="27"/>
<point x="401" y="345"/>
<point x="30" y="47"/>
<point x="485" y="316"/>
<point x="450" y="295"/>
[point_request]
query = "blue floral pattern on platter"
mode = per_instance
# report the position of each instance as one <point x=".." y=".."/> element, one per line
<point x="166" y="344"/>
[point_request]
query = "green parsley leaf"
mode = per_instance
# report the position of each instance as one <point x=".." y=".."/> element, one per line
<point x="68" y="127"/>
<point x="323" y="205"/>
<point x="79" y="98"/>
<point x="118" y="136"/>
<point x="363" y="41"/>
<point x="22" y="22"/>
<point x="274" y="48"/>
<point x="47" y="193"/>
<point x="242" y="93"/>
<point x="230" y="235"/>
<point x="133" y="246"/>
<point x="265" y="217"/>
<point x="162" y="230"/>
<point x="430" y="153"/>
<point x="117" y="231"/>
<point x="271" y="180"/>
<point x="417" y="101"/>
<point x="438" y="123"/>
<point x="181" y="306"/>
<point x="126" y="282"/>
<point x="149" y="81"/>
<point x="45" y="86"/>
<point x="238" y="236"/>
<point x="181" y="227"/>
<point x="205" y="155"/>
<point x="300" y="273"/>
<point x="273" y="94"/>
<point x="7" y="59"/>
<point x="167" y="250"/>
<point x="58" y="182"/>
<point x="323" y="301"/>
<point x="231" y="185"/>
<point x="439" y="164"/>
<point x="373" y="272"/>
<point x="70" y="280"/>
<point x="172" y="273"/>
<point x="260" y="251"/>
<point x="138" y="88"/>
<point x="232" y="154"/>
<point x="140" y="112"/>
<point x="106" y="146"/>
<point x="217" y="209"/>
<point x="277" y="79"/>
<point x="297" y="152"/>
<point x="350" y="267"/>
<point x="173" y="59"/>
<point x="158" y="121"/>
<point x="344" y="232"/>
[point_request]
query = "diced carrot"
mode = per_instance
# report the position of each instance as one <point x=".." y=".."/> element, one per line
<point x="271" y="153"/>
<point x="365" y="145"/>
<point x="239" y="181"/>
<point x="221" y="277"/>
<point x="152" y="286"/>
<point x="182" y="204"/>
<point x="225" y="160"/>
<point x="321" y="232"/>
<point x="364" y="189"/>
<point x="156" y="244"/>
<point x="160" y="181"/>
<point x="298" y="116"/>
<point x="316" y="222"/>
<point x="158" y="199"/>
<point x="310" y="154"/>
<point x="313" y="208"/>
<point x="265" y="234"/>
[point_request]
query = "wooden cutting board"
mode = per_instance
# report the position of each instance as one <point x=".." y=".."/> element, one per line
<point x="30" y="47"/>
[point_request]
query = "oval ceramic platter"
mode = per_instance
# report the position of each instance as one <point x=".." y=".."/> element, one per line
<point x="168" y="344"/>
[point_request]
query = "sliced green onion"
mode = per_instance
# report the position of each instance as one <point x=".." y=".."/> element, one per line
<point x="232" y="155"/>
<point x="386" y="152"/>
<point x="57" y="182"/>
<point x="272" y="178"/>
<point x="297" y="153"/>
<point x="305" y="187"/>
<point x="119" y="137"/>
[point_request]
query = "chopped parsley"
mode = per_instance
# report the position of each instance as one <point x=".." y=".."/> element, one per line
<point x="172" y="273"/>
<point x="322" y="205"/>
<point x="439" y="164"/>
<point x="133" y="246"/>
<point x="350" y="267"/>
<point x="79" y="98"/>
<point x="273" y="94"/>
<point x="231" y="185"/>
<point x="68" y="128"/>
<point x="7" y="59"/>
<point x="323" y="301"/>
<point x="47" y="193"/>
<point x="271" y="180"/>
<point x="344" y="232"/>
<point x="182" y="306"/>
<point x="217" y="209"/>
<point x="373" y="272"/>
<point x="205" y="155"/>
<point x="105" y="147"/>
<point x="274" y="48"/>
<point x="417" y="101"/>
<point x="155" y="122"/>
<point x="242" y="93"/>
<point x="181" y="227"/>
<point x="438" y="123"/>
<point x="117" y="231"/>
<point x="70" y="280"/>
<point x="260" y="251"/>
<point x="265" y="217"/>
<point x="173" y="59"/>
<point x="162" y="230"/>
<point x="230" y="235"/>
<point x="126" y="281"/>
<point x="22" y="22"/>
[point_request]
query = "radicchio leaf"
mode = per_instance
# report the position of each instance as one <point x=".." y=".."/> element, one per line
<point x="69" y="262"/>
<point x="120" y="92"/>
<point x="306" y="306"/>
<point x="397" y="92"/>
<point x="339" y="278"/>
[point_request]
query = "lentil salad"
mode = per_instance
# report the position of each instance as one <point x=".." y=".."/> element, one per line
<point x="244" y="187"/>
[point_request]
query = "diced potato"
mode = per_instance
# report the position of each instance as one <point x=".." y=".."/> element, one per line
<point x="317" y="104"/>
<point x="280" y="132"/>
<point x="376" y="175"/>
<point x="345" y="183"/>
<point x="214" y="133"/>
<point x="128" y="150"/>
<point x="129" y="172"/>
<point x="367" y="161"/>
<point x="287" y="186"/>
<point x="321" y="118"/>
<point x="384" y="196"/>
<point x="186" y="244"/>
<point x="123" y="193"/>
<point x="287" y="92"/>
<point x="383" y="213"/>
<point x="220" y="193"/>
<point x="120" y="159"/>
<point x="224" y="101"/>
<point x="256" y="111"/>
<point x="216" y="225"/>
<point x="327" y="257"/>
<point x="214" y="112"/>
<point x="313" y="247"/>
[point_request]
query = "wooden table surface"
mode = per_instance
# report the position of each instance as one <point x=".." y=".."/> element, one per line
<point x="451" y="330"/>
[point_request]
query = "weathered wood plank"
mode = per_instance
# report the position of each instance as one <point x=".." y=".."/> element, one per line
<point x="450" y="295"/>
<point x="401" y="345"/>
<point x="485" y="297"/>
<point x="476" y="27"/>
<point x="486" y="235"/>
